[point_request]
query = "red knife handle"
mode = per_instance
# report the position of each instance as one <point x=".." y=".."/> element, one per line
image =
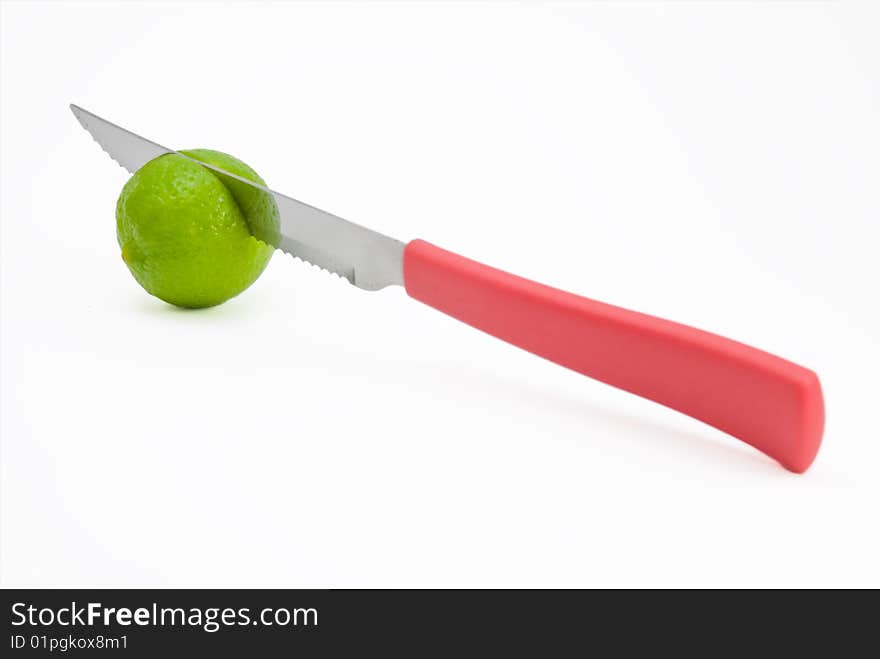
<point x="764" y="400"/>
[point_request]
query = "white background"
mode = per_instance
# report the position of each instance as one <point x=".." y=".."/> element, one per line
<point x="716" y="164"/>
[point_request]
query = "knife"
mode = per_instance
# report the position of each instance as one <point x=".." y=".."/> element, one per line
<point x="768" y="402"/>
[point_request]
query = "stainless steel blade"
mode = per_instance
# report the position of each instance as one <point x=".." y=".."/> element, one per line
<point x="366" y="258"/>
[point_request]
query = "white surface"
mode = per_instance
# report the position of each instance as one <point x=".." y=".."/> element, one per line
<point x="715" y="164"/>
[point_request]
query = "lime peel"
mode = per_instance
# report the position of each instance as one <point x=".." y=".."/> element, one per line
<point x="185" y="231"/>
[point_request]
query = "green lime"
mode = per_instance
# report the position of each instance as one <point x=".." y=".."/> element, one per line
<point x="186" y="230"/>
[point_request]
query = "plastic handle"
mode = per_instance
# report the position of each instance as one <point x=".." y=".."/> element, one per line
<point x="764" y="400"/>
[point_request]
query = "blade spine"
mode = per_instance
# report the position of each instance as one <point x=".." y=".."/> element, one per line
<point x="260" y="186"/>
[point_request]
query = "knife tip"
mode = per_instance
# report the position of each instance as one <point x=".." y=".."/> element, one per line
<point x="77" y="110"/>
